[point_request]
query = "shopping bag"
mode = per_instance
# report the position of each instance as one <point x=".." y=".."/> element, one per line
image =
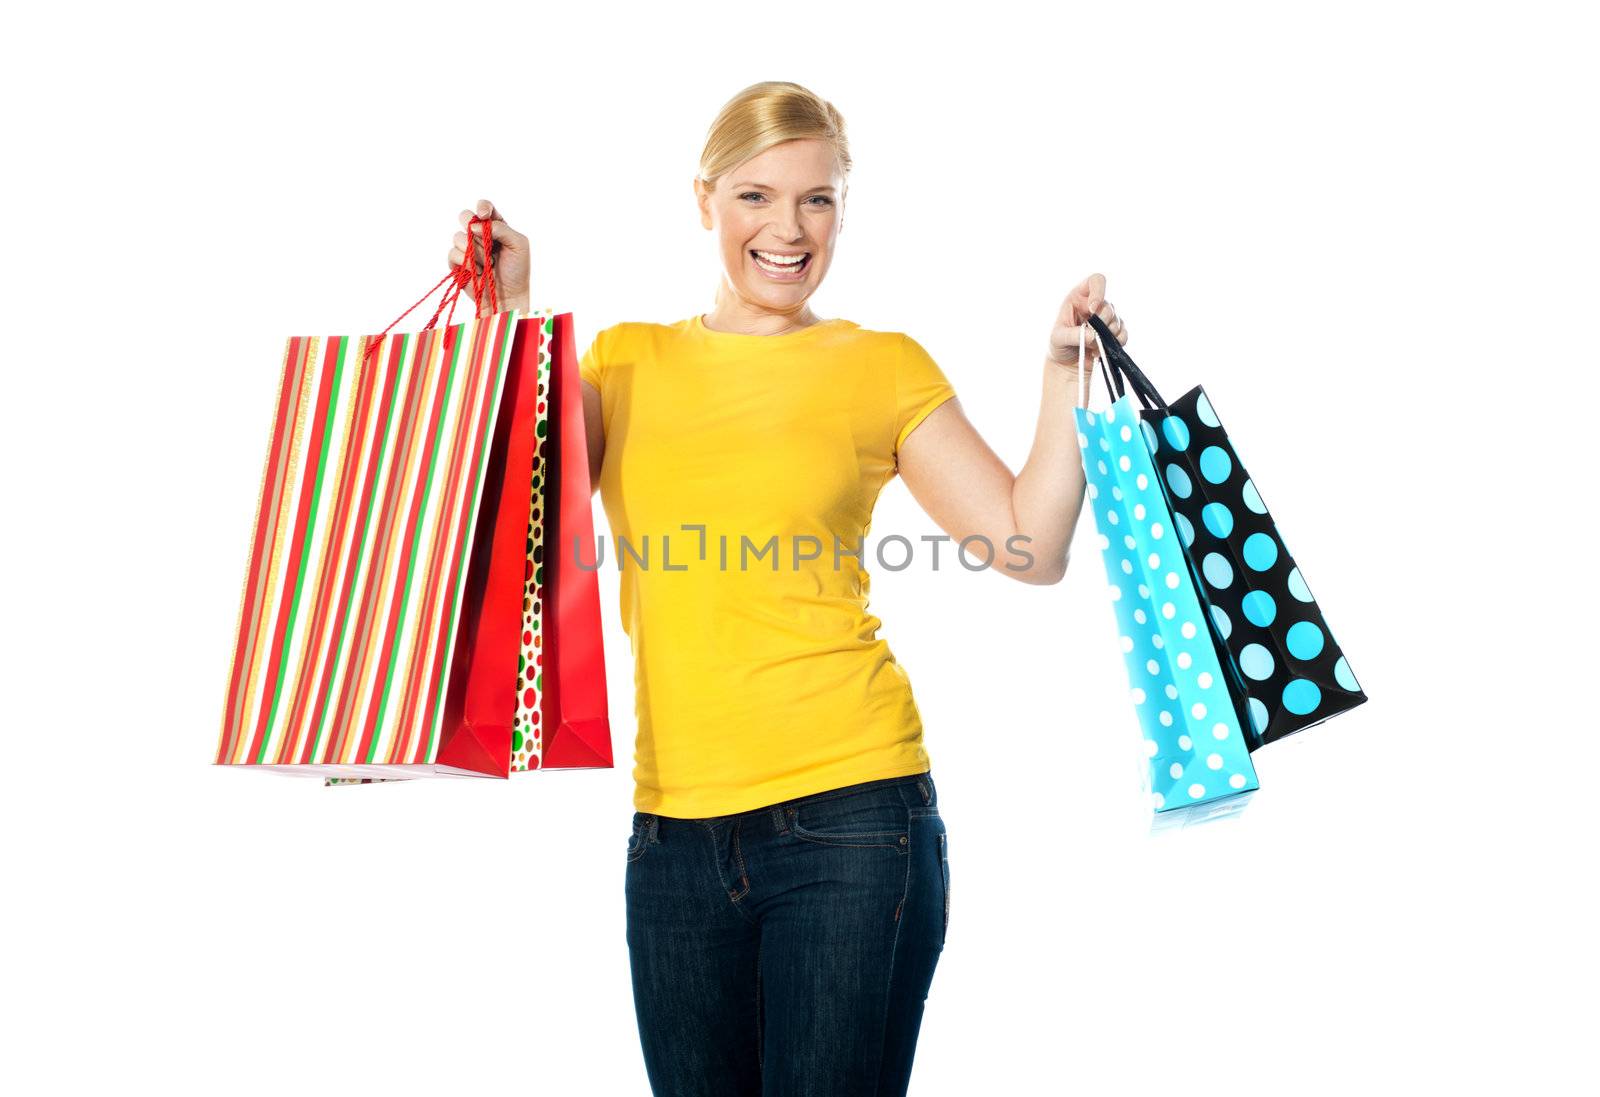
<point x="1199" y="759"/>
<point x="406" y="610"/>
<point x="1260" y="606"/>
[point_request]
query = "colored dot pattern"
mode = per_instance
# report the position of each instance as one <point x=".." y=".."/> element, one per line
<point x="527" y="738"/>
<point x="1196" y="750"/>
<point x="1261" y="609"/>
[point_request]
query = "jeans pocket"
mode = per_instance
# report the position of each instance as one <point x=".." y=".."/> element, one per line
<point x="944" y="868"/>
<point x="639" y="840"/>
<point x="878" y="818"/>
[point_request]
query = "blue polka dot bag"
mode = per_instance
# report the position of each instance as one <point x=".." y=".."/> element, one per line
<point x="1281" y="653"/>
<point x="1192" y="719"/>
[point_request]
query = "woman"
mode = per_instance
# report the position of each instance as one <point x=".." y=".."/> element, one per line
<point x="787" y="877"/>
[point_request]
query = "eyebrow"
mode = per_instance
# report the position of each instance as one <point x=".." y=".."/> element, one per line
<point x="767" y="186"/>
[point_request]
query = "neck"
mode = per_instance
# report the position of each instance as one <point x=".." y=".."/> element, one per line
<point x="731" y="314"/>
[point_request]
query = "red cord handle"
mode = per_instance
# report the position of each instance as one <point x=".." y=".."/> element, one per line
<point x="461" y="276"/>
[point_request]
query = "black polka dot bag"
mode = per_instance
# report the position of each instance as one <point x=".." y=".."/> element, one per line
<point x="1282" y="655"/>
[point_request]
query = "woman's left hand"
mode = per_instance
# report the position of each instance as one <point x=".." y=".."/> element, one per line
<point x="1089" y="298"/>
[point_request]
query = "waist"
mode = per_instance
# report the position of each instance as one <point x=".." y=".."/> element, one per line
<point x="913" y="790"/>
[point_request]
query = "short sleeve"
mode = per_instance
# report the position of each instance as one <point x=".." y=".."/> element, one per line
<point x="591" y="367"/>
<point x="920" y="386"/>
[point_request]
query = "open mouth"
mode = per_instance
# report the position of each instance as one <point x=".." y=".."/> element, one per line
<point x="785" y="267"/>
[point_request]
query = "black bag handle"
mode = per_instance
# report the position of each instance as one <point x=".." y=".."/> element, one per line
<point x="1121" y="366"/>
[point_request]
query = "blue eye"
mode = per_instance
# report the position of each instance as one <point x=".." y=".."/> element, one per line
<point x="826" y="201"/>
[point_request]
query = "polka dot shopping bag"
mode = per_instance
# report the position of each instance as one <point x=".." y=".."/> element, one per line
<point x="1191" y="713"/>
<point x="1259" y="607"/>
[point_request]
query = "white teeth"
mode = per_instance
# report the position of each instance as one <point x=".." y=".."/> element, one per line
<point x="782" y="260"/>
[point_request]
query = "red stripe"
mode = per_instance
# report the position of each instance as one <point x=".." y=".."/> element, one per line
<point x="372" y="421"/>
<point x="344" y="715"/>
<point x="466" y="522"/>
<point x="386" y="649"/>
<point x="289" y="387"/>
<point x="313" y="448"/>
<point x="405" y="747"/>
<point x="368" y="446"/>
<point x="317" y="634"/>
<point x="447" y="636"/>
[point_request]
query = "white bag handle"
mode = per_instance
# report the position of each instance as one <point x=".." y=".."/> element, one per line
<point x="1083" y="378"/>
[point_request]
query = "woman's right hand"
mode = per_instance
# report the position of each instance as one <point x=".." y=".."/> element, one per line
<point x="510" y="256"/>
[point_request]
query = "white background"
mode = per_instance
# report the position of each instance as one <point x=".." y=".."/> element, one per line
<point x="1369" y="231"/>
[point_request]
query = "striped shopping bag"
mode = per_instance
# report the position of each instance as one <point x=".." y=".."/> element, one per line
<point x="398" y="610"/>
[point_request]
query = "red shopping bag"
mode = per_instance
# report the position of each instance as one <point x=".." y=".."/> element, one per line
<point x="569" y="727"/>
<point x="405" y="611"/>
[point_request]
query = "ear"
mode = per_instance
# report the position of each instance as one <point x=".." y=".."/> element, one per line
<point x="702" y="198"/>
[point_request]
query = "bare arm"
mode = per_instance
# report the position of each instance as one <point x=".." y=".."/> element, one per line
<point x="970" y="492"/>
<point x="595" y="430"/>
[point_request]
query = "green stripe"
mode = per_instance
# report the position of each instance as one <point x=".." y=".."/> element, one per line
<point x="363" y="546"/>
<point x="305" y="549"/>
<point x="497" y="385"/>
<point x="416" y="537"/>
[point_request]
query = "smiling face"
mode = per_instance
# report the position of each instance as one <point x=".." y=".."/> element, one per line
<point x="776" y="216"/>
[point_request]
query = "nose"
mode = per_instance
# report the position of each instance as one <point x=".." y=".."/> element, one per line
<point x="786" y="227"/>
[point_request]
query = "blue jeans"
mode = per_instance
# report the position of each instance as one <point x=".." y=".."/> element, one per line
<point x="787" y="951"/>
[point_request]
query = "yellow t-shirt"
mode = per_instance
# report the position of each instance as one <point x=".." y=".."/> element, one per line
<point x="758" y="672"/>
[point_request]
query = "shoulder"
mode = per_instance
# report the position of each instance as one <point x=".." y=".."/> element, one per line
<point x="878" y="344"/>
<point x="894" y="342"/>
<point x="626" y="342"/>
<point x="625" y="331"/>
<point x="860" y="331"/>
<point x="628" y="335"/>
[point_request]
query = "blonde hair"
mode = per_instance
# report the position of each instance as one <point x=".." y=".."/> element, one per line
<point x="768" y="114"/>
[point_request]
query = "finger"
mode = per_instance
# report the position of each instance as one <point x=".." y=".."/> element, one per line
<point x="1089" y="287"/>
<point x="465" y="218"/>
<point x="1080" y="340"/>
<point x="1094" y="288"/>
<point x="1072" y="336"/>
<point x="1107" y="313"/>
<point x="460" y="240"/>
<point x="483" y="211"/>
<point x="503" y="235"/>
